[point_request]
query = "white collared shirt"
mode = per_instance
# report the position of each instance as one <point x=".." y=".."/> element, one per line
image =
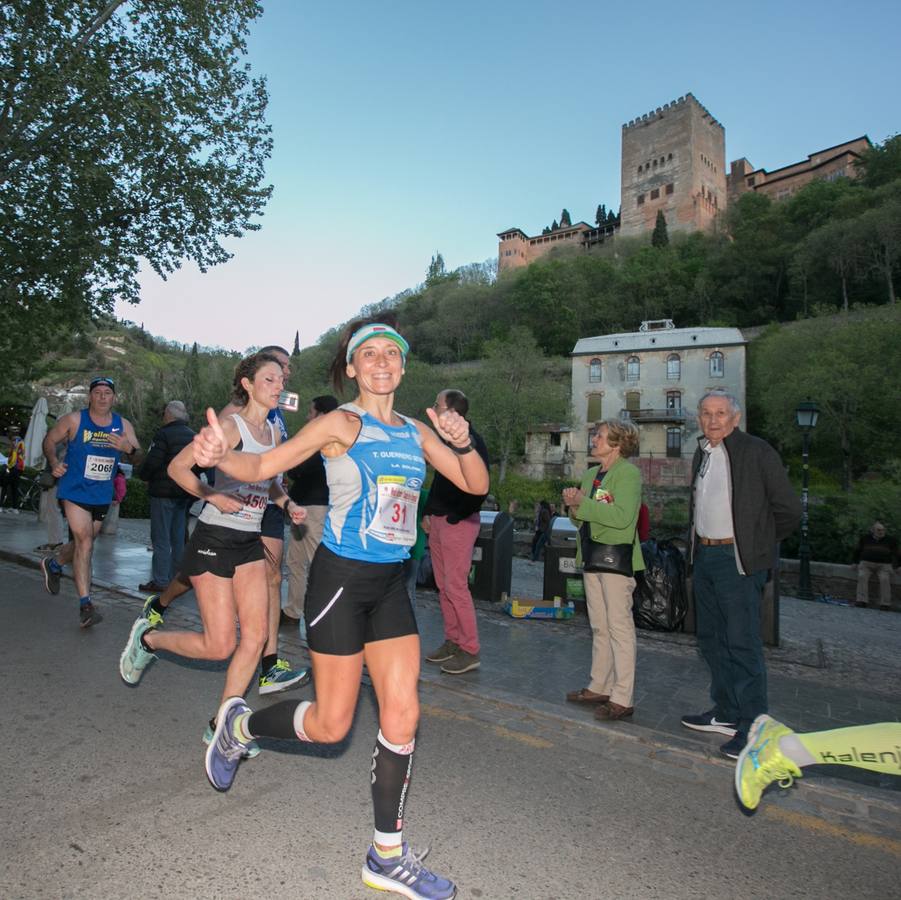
<point x="713" y="495"/>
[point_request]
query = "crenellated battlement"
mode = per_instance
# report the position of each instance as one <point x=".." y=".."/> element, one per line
<point x="661" y="110"/>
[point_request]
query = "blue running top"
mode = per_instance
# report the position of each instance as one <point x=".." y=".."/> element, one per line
<point x="278" y="417"/>
<point x="91" y="462"/>
<point x="374" y="491"/>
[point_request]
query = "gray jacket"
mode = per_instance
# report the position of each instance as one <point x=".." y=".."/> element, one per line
<point x="765" y="507"/>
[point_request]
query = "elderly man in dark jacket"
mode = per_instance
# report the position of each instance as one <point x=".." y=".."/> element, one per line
<point x="168" y="502"/>
<point x="742" y="504"/>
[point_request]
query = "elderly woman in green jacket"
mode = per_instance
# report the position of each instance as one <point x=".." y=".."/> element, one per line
<point x="607" y="502"/>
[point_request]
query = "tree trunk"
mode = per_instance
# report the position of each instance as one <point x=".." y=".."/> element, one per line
<point x="844" y="293"/>
<point x="502" y="469"/>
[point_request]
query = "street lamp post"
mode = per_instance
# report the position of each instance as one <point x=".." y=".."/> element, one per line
<point x="806" y="414"/>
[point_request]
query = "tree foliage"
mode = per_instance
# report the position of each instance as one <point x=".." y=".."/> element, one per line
<point x="128" y="131"/>
<point x="660" y="236"/>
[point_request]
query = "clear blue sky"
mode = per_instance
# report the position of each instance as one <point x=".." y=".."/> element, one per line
<point x="406" y="128"/>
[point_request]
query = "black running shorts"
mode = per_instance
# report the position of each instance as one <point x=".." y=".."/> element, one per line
<point x="273" y="524"/>
<point x="220" y="550"/>
<point x="350" y="603"/>
<point x="98" y="511"/>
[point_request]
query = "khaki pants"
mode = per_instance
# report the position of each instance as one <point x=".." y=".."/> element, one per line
<point x="883" y="571"/>
<point x="301" y="546"/>
<point x="613" y="643"/>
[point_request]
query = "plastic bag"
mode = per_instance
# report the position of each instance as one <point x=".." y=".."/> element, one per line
<point x="660" y="601"/>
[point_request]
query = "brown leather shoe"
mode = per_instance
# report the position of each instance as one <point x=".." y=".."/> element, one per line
<point x="589" y="698"/>
<point x="610" y="712"/>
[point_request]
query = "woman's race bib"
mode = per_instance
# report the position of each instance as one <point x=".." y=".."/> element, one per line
<point x="395" y="516"/>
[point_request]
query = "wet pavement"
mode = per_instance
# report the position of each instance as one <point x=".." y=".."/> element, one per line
<point x="837" y="665"/>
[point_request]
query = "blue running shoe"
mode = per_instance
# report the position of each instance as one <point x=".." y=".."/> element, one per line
<point x="135" y="658"/>
<point x="225" y="750"/>
<point x="406" y="875"/>
<point x="252" y="749"/>
<point x="281" y="676"/>
<point x="150" y="614"/>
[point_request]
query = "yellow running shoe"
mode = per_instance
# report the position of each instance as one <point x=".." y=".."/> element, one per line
<point x="762" y="762"/>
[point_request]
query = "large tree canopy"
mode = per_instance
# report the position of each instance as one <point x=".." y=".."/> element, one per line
<point x="128" y="131"/>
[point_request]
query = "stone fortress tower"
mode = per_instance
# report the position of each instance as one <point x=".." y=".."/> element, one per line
<point x="673" y="159"/>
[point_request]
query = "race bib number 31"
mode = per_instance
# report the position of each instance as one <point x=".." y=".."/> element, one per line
<point x="395" y="516"/>
<point x="99" y="468"/>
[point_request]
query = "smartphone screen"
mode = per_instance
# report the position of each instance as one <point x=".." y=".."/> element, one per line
<point x="289" y="401"/>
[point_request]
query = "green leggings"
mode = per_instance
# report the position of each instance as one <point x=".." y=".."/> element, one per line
<point x="874" y="747"/>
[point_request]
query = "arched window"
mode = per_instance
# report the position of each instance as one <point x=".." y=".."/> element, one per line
<point x="717" y="365"/>
<point x="673" y="367"/>
<point x="594" y="370"/>
<point x="594" y="408"/>
<point x="633" y="368"/>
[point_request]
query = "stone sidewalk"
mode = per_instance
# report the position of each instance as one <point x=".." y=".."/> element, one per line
<point x="837" y="665"/>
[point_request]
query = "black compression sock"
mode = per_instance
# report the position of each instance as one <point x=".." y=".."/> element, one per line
<point x="276" y="721"/>
<point x="391" y="767"/>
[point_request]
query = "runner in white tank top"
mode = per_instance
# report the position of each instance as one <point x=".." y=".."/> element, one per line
<point x="225" y="558"/>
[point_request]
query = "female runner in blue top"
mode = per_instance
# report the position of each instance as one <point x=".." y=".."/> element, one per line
<point x="357" y="605"/>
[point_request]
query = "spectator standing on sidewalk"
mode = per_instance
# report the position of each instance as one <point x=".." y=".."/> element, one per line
<point x="876" y="554"/>
<point x="49" y="511"/>
<point x="168" y="502"/>
<point x="120" y="489"/>
<point x="741" y="504"/>
<point x="543" y="521"/>
<point x="605" y="507"/>
<point x="451" y="520"/>
<point x="309" y="489"/>
<point x="12" y="472"/>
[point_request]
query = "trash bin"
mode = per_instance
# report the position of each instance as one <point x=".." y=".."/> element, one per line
<point x="561" y="577"/>
<point x="492" y="557"/>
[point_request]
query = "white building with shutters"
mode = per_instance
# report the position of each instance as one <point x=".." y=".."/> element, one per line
<point x="654" y="376"/>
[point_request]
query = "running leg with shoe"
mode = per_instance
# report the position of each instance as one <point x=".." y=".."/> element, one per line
<point x="776" y="753"/>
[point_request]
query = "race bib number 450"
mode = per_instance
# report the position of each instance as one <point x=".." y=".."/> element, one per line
<point x="395" y="516"/>
<point x="99" y="468"/>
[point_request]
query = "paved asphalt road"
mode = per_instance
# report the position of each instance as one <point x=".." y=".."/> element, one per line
<point x="104" y="794"/>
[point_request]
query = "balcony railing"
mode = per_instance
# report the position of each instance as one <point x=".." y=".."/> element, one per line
<point x="638" y="416"/>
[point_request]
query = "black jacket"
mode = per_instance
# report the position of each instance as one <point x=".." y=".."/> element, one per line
<point x="765" y="507"/>
<point x="446" y="499"/>
<point x="167" y="443"/>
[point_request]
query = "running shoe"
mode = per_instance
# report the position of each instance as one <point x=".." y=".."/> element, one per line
<point x="709" y="722"/>
<point x="281" y="676"/>
<point x="88" y="615"/>
<point x="52" y="574"/>
<point x="226" y="750"/>
<point x="134" y="658"/>
<point x="443" y="653"/>
<point x="406" y="875"/>
<point x="150" y="614"/>
<point x="762" y="762"/>
<point x="252" y="750"/>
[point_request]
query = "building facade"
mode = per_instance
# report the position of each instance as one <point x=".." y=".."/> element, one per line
<point x="824" y="165"/>
<point x="516" y="249"/>
<point x="674" y="160"/>
<point x="654" y="376"/>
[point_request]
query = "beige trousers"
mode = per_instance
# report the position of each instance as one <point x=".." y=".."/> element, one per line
<point x="883" y="571"/>
<point x="609" y="601"/>
<point x="301" y="546"/>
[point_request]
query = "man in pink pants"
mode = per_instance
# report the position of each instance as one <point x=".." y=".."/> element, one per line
<point x="451" y="519"/>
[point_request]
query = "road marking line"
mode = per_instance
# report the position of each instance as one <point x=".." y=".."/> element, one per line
<point x="530" y="740"/>
<point x="811" y="823"/>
